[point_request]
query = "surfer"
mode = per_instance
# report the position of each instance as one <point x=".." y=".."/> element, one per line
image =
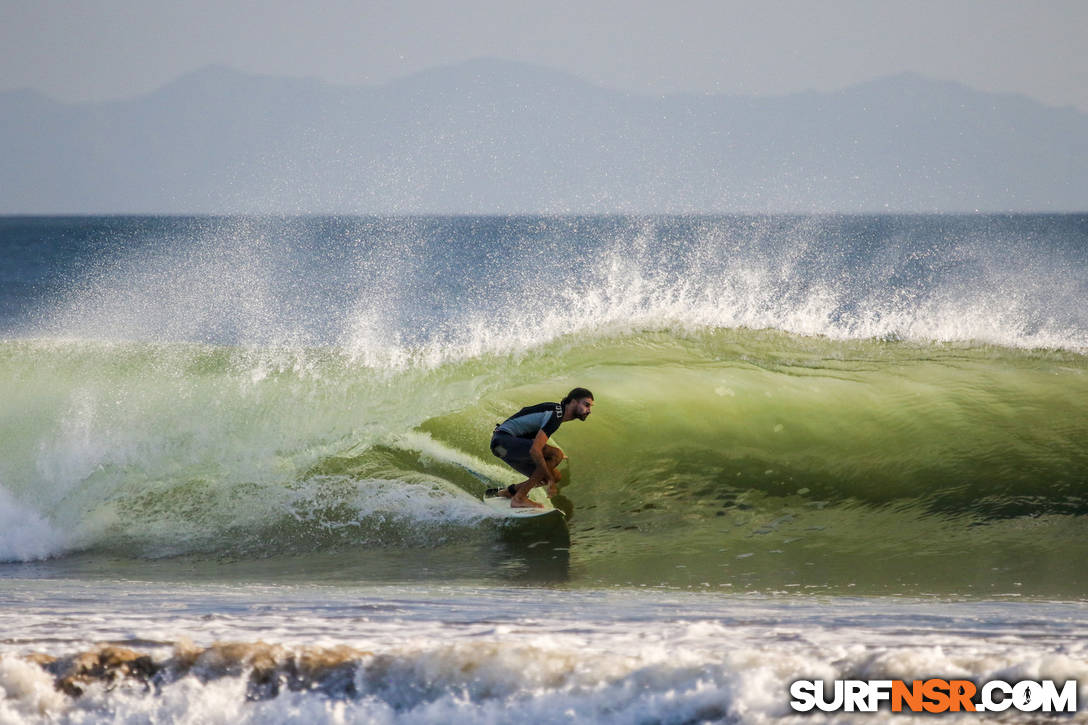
<point x="521" y="441"/>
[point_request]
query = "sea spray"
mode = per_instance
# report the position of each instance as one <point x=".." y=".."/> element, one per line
<point x="425" y="289"/>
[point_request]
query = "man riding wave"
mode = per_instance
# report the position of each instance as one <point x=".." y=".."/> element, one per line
<point x="521" y="441"/>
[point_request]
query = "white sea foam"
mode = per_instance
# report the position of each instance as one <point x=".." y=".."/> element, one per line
<point x="444" y="655"/>
<point x="27" y="693"/>
<point x="413" y="503"/>
<point x="25" y="534"/>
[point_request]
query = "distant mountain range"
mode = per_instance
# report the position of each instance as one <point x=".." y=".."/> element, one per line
<point x="491" y="136"/>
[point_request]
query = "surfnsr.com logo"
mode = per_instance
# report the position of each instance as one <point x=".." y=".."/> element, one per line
<point x="933" y="695"/>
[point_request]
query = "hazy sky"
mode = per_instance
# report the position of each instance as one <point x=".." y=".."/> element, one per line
<point x="97" y="49"/>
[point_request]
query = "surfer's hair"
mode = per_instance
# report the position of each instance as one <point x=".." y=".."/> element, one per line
<point x="576" y="394"/>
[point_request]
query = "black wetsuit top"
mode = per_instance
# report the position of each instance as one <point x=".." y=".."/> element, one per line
<point x="526" y="422"/>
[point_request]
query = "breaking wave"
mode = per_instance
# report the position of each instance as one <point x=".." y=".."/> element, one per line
<point x="778" y="398"/>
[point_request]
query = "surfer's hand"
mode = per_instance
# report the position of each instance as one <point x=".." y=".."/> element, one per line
<point x="552" y="489"/>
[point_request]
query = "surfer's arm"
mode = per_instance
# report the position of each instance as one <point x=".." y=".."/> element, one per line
<point x="536" y="452"/>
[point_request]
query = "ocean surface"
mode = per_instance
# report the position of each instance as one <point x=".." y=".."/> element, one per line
<point x="241" y="461"/>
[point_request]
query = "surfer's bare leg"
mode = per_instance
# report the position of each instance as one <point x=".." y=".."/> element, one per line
<point x="552" y="458"/>
<point x="520" y="499"/>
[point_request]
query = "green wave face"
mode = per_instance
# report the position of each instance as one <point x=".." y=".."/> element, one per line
<point x="720" y="458"/>
<point x="740" y="459"/>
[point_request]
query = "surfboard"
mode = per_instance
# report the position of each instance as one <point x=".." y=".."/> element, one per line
<point x="500" y="505"/>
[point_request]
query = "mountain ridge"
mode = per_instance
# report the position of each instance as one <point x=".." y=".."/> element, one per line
<point x="495" y="136"/>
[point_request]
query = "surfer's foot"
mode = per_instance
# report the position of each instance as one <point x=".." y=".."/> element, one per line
<point x="523" y="502"/>
<point x="552" y="489"/>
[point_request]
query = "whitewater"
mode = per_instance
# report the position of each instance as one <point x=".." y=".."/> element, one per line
<point x="249" y="450"/>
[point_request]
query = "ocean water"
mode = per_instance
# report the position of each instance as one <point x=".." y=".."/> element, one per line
<point x="250" y="450"/>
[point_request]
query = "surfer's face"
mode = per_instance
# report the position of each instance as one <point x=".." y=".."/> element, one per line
<point x="582" y="408"/>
